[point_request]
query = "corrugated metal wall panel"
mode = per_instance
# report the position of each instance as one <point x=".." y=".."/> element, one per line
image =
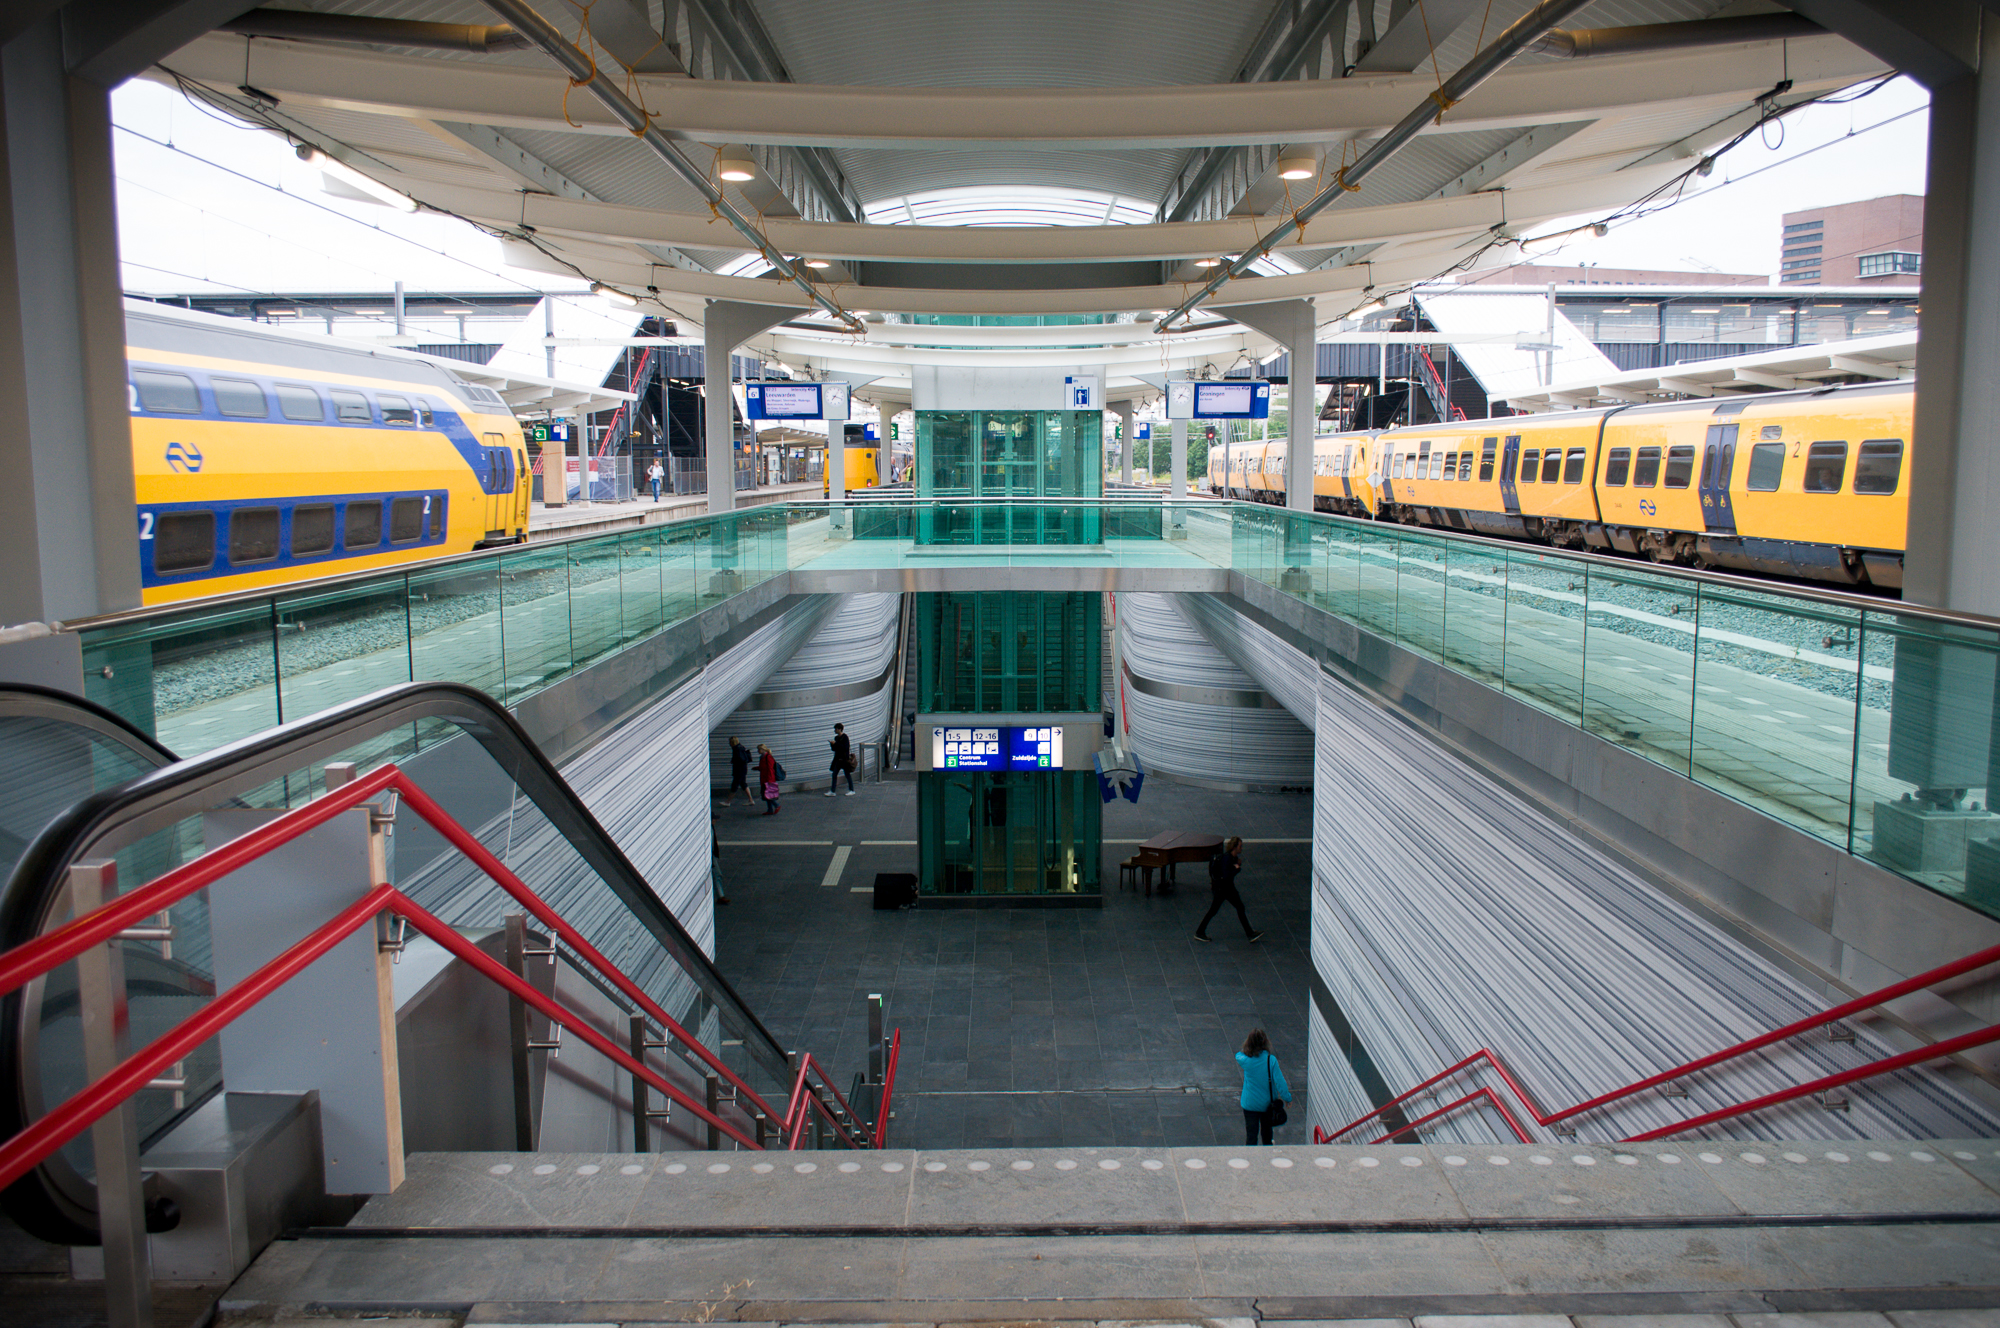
<point x="1333" y="1095"/>
<point x="1449" y="914"/>
<point x="1280" y="669"/>
<point x="730" y="678"/>
<point x="844" y="674"/>
<point x="1179" y="735"/>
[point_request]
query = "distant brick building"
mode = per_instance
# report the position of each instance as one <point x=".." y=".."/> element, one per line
<point x="1876" y="242"/>
<point x="1541" y="274"/>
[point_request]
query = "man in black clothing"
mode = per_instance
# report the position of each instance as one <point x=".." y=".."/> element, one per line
<point x="739" y="774"/>
<point x="841" y="749"/>
<point x="1222" y="869"/>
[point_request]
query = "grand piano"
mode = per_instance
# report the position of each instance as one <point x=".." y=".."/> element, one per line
<point x="1164" y="851"/>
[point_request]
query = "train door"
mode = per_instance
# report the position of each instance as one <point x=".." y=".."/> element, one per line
<point x="1510" y="460"/>
<point x="522" y="486"/>
<point x="1718" y="459"/>
<point x="492" y="472"/>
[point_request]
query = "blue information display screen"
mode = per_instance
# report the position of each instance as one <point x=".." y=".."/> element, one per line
<point x="1004" y="748"/>
<point x="782" y="401"/>
<point x="1232" y="401"/>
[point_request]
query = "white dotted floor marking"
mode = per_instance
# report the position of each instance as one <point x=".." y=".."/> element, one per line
<point x="630" y="1169"/>
<point x="720" y="1168"/>
<point x="1922" y="1157"/>
<point x="1793" y="1157"/>
<point x="1454" y="1161"/>
<point x="1878" y="1156"/>
<point x="1239" y="1163"/>
<point x="1567" y="1199"/>
<point x="676" y="1168"/>
<point x="1965" y="1156"/>
<point x="1022" y="1165"/>
<point x="1281" y="1163"/>
<point x="546" y="1169"/>
<point x="933" y="1166"/>
<point x="1326" y="1162"/>
<point x="503" y="1169"/>
<point x="588" y="1169"/>
<point x="1066" y="1164"/>
<point x="1152" y="1164"/>
<point x="1194" y="1164"/>
<point x="806" y="1168"/>
<point x="1584" y="1160"/>
<point x="1497" y="1161"/>
<point x="1713" y="1159"/>
<point x="978" y="1166"/>
<point x="1367" y="1162"/>
<point x="1671" y="1159"/>
<point x="1108" y="1164"/>
<point x="892" y="1167"/>
<point x="1625" y="1159"/>
<point x="1754" y="1159"/>
<point x="1413" y="1161"/>
<point x="1541" y="1161"/>
<point x="1836" y="1157"/>
<point x="849" y="1167"/>
<point x="763" y="1168"/>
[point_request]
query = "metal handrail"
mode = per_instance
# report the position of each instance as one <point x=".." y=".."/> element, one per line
<point x="1833" y="1014"/>
<point x="888" y="1087"/>
<point x="798" y="1111"/>
<point x="107" y="821"/>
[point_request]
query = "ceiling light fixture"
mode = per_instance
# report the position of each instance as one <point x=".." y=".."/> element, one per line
<point x="1297" y="168"/>
<point x="347" y="175"/>
<point x="1207" y="262"/>
<point x="735" y="167"/>
<point x="818" y="264"/>
<point x="613" y="294"/>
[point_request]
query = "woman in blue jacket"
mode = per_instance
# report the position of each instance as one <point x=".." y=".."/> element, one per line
<point x="1263" y="1084"/>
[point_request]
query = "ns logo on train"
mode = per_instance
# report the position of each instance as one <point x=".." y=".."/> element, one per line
<point x="184" y="457"/>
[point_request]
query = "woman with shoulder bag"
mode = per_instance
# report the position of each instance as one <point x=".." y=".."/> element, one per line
<point x="1265" y="1092"/>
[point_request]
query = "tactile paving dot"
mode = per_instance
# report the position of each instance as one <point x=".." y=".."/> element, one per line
<point x="1566" y="1199"/>
<point x="503" y="1169"/>
<point x="807" y="1168"/>
<point x="1326" y="1162"/>
<point x="722" y="1168"/>
<point x="1964" y="1156"/>
<point x="1625" y="1159"/>
<point x="1499" y="1161"/>
<point x="1836" y="1157"/>
<point x="1281" y="1162"/>
<point x="676" y="1168"/>
<point x="1671" y="1159"/>
<point x="1541" y="1161"/>
<point x="973" y="1166"/>
<point x="546" y="1169"/>
<point x="1194" y="1164"/>
<point x="1879" y="1156"/>
<point x="1922" y="1157"/>
<point x="1584" y="1160"/>
<point x="1152" y="1164"/>
<point x="1454" y="1161"/>
<point x="1108" y="1164"/>
<point x="933" y="1166"/>
<point x="1066" y="1165"/>
<point x="1239" y="1162"/>
<point x="764" y="1168"/>
<point x="1367" y="1162"/>
<point x="851" y="1167"/>
<point x="1022" y="1165"/>
<point x="1713" y="1159"/>
<point x="588" y="1169"/>
<point x="1754" y="1159"/>
<point x="1793" y="1157"/>
<point x="892" y="1167"/>
<point x="1413" y="1161"/>
<point x="630" y="1169"/>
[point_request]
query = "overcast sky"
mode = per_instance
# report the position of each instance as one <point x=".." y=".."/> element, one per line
<point x="207" y="205"/>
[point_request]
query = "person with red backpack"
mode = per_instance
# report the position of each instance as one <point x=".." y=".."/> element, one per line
<point x="769" y="772"/>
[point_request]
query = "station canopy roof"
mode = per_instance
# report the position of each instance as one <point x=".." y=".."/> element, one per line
<point x="1058" y="165"/>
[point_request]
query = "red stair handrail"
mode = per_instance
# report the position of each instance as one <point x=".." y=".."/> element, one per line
<point x="798" y="1111"/>
<point x="1868" y="1001"/>
<point x="888" y="1087"/>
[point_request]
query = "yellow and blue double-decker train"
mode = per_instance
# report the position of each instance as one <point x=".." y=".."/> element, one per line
<point x="261" y="457"/>
<point x="1810" y="484"/>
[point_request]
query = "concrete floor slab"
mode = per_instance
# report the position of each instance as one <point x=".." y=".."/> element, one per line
<point x="716" y="1272"/>
<point x="512" y="1190"/>
<point x="1707" y="1259"/>
<point x="1492" y="1321"/>
<point x="1651" y="1320"/>
<point x="1088" y="1185"/>
<point x="1294" y="1185"/>
<point x="1907" y="1256"/>
<point x="1842" y="1176"/>
<point x="1827" y="1319"/>
<point x="1945" y="1318"/>
<point x="1342" y="1265"/>
<point x="1080" y="1267"/>
<point x="1572" y="1180"/>
<point x="1978" y="1158"/>
<point x="421" y="1273"/>
<point x="835" y="1188"/>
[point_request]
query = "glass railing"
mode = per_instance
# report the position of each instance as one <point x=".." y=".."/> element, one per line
<point x="1866" y="723"/>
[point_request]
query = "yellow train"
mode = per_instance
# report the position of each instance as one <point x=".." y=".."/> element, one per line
<point x="863" y="462"/>
<point x="1806" y="484"/>
<point x="263" y="458"/>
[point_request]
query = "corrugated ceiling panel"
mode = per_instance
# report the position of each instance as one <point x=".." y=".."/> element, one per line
<point x="891" y="173"/>
<point x="617" y="169"/>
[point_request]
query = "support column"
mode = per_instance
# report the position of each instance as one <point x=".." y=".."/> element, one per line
<point x="1177" y="482"/>
<point x="1293" y="324"/>
<point x="1127" y="441"/>
<point x="727" y="324"/>
<point x="69" y="539"/>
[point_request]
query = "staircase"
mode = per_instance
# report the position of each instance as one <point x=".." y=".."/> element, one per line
<point x="906" y="753"/>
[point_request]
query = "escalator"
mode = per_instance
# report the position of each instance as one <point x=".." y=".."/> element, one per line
<point x="106" y="791"/>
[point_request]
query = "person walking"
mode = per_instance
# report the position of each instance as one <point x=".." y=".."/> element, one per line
<point x="768" y="774"/>
<point x="843" y="760"/>
<point x="654" y="475"/>
<point x="1222" y="869"/>
<point x="1264" y="1089"/>
<point x="739" y="774"/>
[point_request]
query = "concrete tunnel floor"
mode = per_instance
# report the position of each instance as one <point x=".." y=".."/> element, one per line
<point x="1035" y="1027"/>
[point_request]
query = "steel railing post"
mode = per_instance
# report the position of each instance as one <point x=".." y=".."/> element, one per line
<point x="875" y="1051"/>
<point x="517" y="1035"/>
<point x="713" y="1102"/>
<point x="641" y="1122"/>
<point x="121" y="1206"/>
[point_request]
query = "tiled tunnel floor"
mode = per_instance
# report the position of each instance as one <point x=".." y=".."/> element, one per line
<point x="1031" y="1026"/>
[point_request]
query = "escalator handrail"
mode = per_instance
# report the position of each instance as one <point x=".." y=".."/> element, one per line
<point x="101" y="824"/>
<point x="29" y="700"/>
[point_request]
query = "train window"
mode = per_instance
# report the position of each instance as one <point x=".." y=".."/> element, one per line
<point x="364" y="525"/>
<point x="1680" y="466"/>
<point x="1552" y="464"/>
<point x="1465" y="465"/>
<point x="1437" y="462"/>
<point x="426" y="415"/>
<point x="1767" y="467"/>
<point x="234" y="396"/>
<point x="437" y="515"/>
<point x="1487" y="448"/>
<point x="300" y="403"/>
<point x="1646" y="470"/>
<point x="396" y="410"/>
<point x="171" y="392"/>
<point x="1826" y="463"/>
<point x="406" y="519"/>
<point x="253" y="535"/>
<point x="1451" y="465"/>
<point x="1879" y="466"/>
<point x="350" y="407"/>
<point x="183" y="541"/>
<point x="1617" y="465"/>
<point x="1396" y="467"/>
<point x="312" y="529"/>
<point x="1573" y="463"/>
<point x="1531" y="464"/>
<point x="1772" y="431"/>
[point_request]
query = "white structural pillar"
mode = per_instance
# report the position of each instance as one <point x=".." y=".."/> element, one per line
<point x="1293" y="324"/>
<point x="1954" y="466"/>
<point x="727" y="324"/>
<point x="1126" y="440"/>
<point x="69" y="540"/>
<point x="1177" y="482"/>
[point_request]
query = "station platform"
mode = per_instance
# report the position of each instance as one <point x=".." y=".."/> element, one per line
<point x="577" y="518"/>
<point x="1213" y="1235"/>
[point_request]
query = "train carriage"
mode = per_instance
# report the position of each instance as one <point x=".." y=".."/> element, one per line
<point x="263" y="458"/>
